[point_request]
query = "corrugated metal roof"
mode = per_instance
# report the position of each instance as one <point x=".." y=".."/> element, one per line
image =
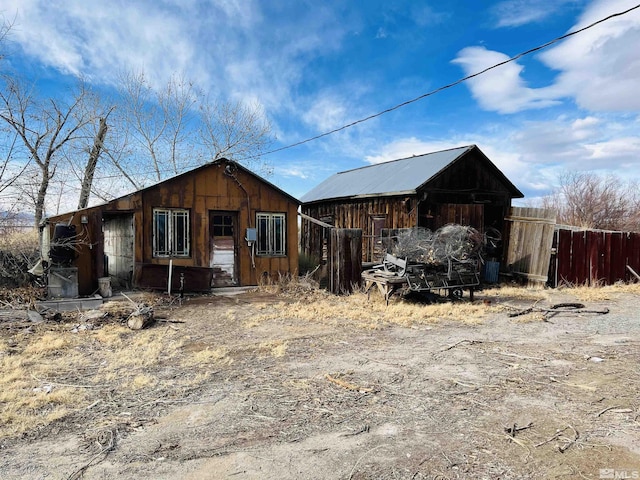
<point x="398" y="176"/>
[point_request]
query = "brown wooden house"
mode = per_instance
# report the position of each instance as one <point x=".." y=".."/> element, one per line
<point x="459" y="185"/>
<point x="217" y="225"/>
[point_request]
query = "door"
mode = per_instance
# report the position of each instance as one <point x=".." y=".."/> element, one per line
<point x="222" y="241"/>
<point x="118" y="249"/>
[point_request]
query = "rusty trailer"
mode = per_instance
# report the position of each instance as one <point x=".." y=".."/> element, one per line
<point x="397" y="275"/>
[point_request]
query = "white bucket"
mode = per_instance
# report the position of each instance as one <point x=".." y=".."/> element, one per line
<point x="104" y="284"/>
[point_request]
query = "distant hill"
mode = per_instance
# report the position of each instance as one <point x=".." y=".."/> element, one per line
<point x="14" y="219"/>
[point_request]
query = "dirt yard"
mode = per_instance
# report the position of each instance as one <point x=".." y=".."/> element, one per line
<point x="305" y="385"/>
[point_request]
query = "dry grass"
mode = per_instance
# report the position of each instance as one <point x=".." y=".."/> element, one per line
<point x="20" y="242"/>
<point x="275" y="349"/>
<point x="604" y="293"/>
<point x="371" y="312"/>
<point x="54" y="373"/>
<point x="49" y="372"/>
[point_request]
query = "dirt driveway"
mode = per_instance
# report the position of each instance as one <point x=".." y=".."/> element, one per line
<point x="293" y="396"/>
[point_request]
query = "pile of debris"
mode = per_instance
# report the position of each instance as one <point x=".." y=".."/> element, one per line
<point x="451" y="243"/>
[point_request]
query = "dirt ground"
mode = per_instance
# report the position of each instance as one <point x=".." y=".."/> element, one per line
<point x="290" y="396"/>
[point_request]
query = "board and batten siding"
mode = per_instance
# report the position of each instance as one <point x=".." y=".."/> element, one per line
<point x="200" y="191"/>
<point x="398" y="212"/>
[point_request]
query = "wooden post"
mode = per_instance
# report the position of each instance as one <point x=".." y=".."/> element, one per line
<point x="345" y="259"/>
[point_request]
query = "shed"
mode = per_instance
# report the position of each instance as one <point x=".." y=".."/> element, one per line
<point x="217" y="225"/>
<point x="460" y="185"/>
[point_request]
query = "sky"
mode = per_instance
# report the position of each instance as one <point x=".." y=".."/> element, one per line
<point x="317" y="66"/>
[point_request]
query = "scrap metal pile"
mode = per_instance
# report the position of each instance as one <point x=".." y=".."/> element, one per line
<point x="420" y="260"/>
<point x="451" y="243"/>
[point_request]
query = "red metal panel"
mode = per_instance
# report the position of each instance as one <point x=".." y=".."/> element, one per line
<point x="603" y="261"/>
<point x="606" y="270"/>
<point x="564" y="256"/>
<point x="593" y="253"/>
<point x="579" y="270"/>
<point x="634" y="254"/>
<point x="618" y="257"/>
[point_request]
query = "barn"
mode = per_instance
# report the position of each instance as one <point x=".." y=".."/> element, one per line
<point x="459" y="185"/>
<point x="217" y="225"/>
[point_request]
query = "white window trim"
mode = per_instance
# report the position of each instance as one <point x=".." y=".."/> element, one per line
<point x="172" y="214"/>
<point x="271" y="235"/>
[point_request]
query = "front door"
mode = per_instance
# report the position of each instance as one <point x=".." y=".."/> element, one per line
<point x="222" y="241"/>
<point x="118" y="249"/>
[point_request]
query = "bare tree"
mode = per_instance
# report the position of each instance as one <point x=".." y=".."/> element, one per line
<point x="45" y="129"/>
<point x="234" y="130"/>
<point x="158" y="133"/>
<point x="156" y="127"/>
<point x="588" y="200"/>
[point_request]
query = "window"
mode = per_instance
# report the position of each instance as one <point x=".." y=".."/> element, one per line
<point x="170" y="232"/>
<point x="272" y="233"/>
<point x="222" y="225"/>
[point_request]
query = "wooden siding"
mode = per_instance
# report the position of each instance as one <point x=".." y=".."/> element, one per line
<point x="399" y="212"/>
<point x="471" y="191"/>
<point x="199" y="191"/>
<point x="461" y="214"/>
<point x="594" y="257"/>
<point x="530" y="241"/>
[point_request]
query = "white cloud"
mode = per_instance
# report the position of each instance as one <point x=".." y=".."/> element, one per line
<point x="234" y="48"/>
<point x="98" y="40"/>
<point x="502" y="89"/>
<point x="515" y="13"/>
<point x="533" y="154"/>
<point x="407" y="147"/>
<point x="326" y="112"/>
<point x="296" y="171"/>
<point x="601" y="66"/>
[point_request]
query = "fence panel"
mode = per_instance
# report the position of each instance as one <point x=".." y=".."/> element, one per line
<point x="345" y="259"/>
<point x="530" y="239"/>
<point x="592" y="257"/>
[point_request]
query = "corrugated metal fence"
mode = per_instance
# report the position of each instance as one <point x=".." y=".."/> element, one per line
<point x="594" y="257"/>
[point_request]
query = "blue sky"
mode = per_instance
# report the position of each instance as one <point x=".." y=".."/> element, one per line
<point x="315" y="66"/>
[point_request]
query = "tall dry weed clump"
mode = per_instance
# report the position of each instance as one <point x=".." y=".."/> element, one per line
<point x="19" y="251"/>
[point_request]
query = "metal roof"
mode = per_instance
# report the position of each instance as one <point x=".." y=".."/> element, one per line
<point x="405" y="175"/>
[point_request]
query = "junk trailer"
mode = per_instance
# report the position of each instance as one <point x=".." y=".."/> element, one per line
<point x="418" y="260"/>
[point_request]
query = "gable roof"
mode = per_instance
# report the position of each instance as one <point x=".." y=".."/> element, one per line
<point x="397" y="177"/>
<point x="225" y="161"/>
<point x="218" y="162"/>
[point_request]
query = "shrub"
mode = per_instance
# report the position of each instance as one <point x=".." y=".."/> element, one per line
<point x="19" y="251"/>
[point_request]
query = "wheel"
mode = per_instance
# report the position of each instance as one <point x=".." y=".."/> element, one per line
<point x="455" y="293"/>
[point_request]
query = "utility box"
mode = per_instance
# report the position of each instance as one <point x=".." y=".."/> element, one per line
<point x="63" y="282"/>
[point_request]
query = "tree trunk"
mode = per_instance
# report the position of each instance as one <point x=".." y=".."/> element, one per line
<point x="90" y="169"/>
<point x="42" y="193"/>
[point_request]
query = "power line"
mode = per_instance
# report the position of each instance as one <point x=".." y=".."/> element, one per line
<point x="453" y="84"/>
<point x="400" y="105"/>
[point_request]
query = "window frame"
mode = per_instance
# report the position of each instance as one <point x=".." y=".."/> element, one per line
<point x="172" y="229"/>
<point x="276" y="241"/>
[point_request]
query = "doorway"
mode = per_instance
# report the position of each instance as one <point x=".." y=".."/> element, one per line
<point x="223" y="241"/>
<point x="118" y="250"/>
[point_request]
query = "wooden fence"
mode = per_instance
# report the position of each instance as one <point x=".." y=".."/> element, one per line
<point x="594" y="257"/>
<point x="529" y="243"/>
<point x="345" y="260"/>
